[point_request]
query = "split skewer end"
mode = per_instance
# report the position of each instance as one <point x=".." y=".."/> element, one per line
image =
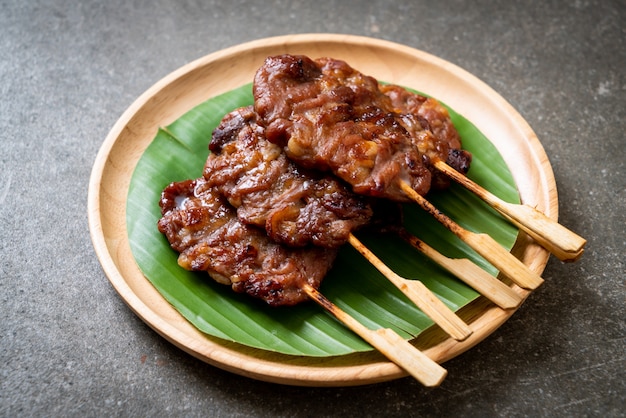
<point x="483" y="244"/>
<point x="468" y="272"/>
<point x="560" y="241"/>
<point x="387" y="342"/>
<point x="419" y="294"/>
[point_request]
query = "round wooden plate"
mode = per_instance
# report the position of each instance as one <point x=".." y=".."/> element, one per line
<point x="222" y="71"/>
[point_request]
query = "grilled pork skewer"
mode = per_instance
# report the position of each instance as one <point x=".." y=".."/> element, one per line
<point x="295" y="206"/>
<point x="329" y="117"/>
<point x="560" y="241"/>
<point x="563" y="243"/>
<point x="379" y="139"/>
<point x="204" y="228"/>
<point x="299" y="207"/>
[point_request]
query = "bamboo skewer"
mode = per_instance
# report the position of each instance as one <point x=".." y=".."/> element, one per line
<point x="481" y="281"/>
<point x="483" y="244"/>
<point x="388" y="342"/>
<point x="419" y="294"/>
<point x="560" y="241"/>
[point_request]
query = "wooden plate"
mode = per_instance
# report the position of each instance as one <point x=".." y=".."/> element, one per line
<point x="222" y="71"/>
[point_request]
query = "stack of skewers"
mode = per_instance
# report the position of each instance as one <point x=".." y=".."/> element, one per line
<point x="326" y="151"/>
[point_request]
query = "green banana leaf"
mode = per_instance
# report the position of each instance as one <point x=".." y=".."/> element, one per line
<point x="178" y="152"/>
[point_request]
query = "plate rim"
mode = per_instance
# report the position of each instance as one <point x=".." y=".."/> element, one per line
<point x="349" y="370"/>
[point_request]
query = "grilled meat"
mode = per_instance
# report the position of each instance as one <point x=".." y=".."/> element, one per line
<point x="295" y="206"/>
<point x="267" y="182"/>
<point x="330" y="117"/>
<point x="201" y="225"/>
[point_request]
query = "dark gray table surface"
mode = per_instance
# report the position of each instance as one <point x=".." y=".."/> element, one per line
<point x="69" y="346"/>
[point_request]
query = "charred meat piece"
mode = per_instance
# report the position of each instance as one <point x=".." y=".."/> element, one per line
<point x="330" y="117"/>
<point x="418" y="114"/>
<point x="204" y="229"/>
<point x="295" y="206"/>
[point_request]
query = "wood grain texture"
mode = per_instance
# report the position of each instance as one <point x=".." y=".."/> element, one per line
<point x="222" y="71"/>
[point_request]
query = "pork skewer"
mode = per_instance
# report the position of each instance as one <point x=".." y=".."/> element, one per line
<point x="329" y="117"/>
<point x="563" y="243"/>
<point x="379" y="139"/>
<point x="560" y="241"/>
<point x="299" y="207"/>
<point x="204" y="228"/>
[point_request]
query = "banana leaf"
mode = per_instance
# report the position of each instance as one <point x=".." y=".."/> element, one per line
<point x="178" y="152"/>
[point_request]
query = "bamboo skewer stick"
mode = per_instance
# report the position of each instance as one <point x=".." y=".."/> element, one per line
<point x="560" y="241"/>
<point x="483" y="244"/>
<point x="481" y="281"/>
<point x="419" y="294"/>
<point x="388" y="342"/>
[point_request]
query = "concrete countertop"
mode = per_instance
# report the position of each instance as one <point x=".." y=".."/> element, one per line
<point x="69" y="346"/>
